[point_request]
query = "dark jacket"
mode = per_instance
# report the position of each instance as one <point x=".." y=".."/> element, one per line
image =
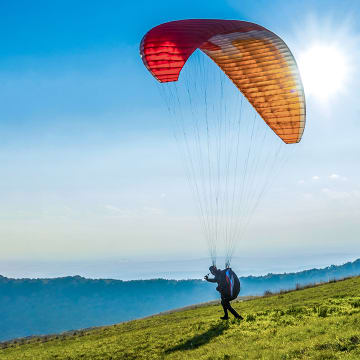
<point x="218" y="278"/>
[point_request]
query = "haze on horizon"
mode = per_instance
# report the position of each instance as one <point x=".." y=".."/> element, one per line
<point x="90" y="170"/>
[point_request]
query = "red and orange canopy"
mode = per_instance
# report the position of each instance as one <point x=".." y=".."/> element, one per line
<point x="256" y="60"/>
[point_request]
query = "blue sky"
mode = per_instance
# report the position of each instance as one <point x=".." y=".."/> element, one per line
<point x="90" y="170"/>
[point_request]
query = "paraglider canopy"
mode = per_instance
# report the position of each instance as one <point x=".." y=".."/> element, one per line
<point x="256" y="60"/>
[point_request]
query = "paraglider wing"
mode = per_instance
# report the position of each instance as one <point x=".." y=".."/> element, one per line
<point x="256" y="60"/>
<point x="230" y="284"/>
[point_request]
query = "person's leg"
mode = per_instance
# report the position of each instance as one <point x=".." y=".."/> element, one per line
<point x="233" y="311"/>
<point x="223" y="303"/>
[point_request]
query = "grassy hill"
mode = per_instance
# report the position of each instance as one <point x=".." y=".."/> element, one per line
<point x="321" y="322"/>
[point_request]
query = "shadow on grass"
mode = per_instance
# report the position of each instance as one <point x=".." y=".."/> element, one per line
<point x="201" y="339"/>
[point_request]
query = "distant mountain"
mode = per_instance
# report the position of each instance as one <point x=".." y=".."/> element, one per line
<point x="256" y="285"/>
<point x="43" y="306"/>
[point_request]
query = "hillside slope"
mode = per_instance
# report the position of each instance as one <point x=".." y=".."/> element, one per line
<point x="322" y="322"/>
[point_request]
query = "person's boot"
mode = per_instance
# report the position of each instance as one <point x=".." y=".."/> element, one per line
<point x="239" y="317"/>
<point x="225" y="317"/>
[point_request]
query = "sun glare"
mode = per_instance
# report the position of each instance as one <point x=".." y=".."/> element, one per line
<point x="323" y="69"/>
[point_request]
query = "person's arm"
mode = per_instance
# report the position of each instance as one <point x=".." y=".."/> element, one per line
<point x="206" y="277"/>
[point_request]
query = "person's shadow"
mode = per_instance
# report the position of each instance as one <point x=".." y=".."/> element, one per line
<point x="201" y="339"/>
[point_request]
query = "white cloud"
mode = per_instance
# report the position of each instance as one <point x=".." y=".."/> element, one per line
<point x="316" y="177"/>
<point x="307" y="196"/>
<point x="116" y="212"/>
<point x="301" y="182"/>
<point x="152" y="210"/>
<point x="133" y="213"/>
<point x="336" y="195"/>
<point x="337" y="177"/>
<point x="113" y="208"/>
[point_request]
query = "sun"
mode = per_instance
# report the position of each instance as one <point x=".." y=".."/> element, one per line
<point x="324" y="71"/>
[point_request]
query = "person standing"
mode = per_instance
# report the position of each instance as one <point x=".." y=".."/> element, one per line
<point x="228" y="287"/>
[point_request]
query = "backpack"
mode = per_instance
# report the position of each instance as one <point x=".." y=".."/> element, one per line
<point x="230" y="284"/>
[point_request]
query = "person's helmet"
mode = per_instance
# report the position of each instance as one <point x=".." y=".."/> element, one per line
<point x="212" y="269"/>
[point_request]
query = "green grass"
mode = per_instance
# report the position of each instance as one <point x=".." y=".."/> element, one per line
<point x="317" y="323"/>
